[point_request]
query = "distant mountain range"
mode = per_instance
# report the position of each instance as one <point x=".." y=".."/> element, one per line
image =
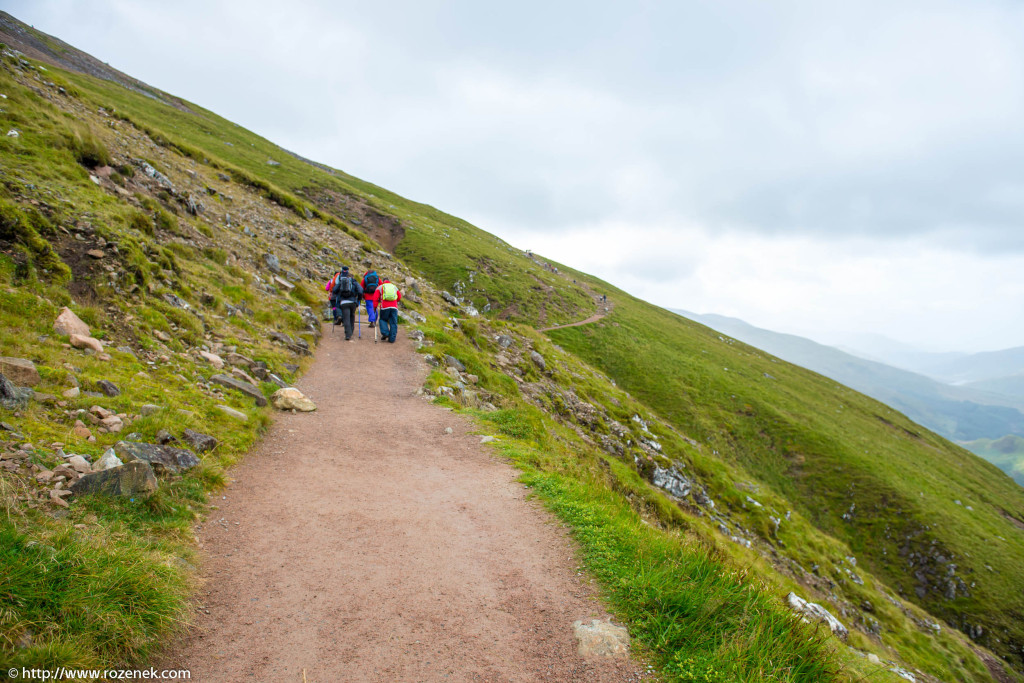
<point x="966" y="413"/>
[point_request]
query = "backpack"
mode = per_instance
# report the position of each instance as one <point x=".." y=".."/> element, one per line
<point x="371" y="280"/>
<point x="330" y="283"/>
<point x="390" y="292"/>
<point x="345" y="286"/>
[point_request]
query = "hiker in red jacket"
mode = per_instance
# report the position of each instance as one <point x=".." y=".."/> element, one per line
<point x="385" y="300"/>
<point x="370" y="283"/>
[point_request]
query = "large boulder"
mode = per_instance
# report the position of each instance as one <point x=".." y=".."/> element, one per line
<point x="291" y="398"/>
<point x="19" y="371"/>
<point x="128" y="480"/>
<point x="246" y="388"/>
<point x="68" y="323"/>
<point x="163" y="459"/>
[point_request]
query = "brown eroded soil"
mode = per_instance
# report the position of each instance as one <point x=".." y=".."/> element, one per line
<point x="362" y="543"/>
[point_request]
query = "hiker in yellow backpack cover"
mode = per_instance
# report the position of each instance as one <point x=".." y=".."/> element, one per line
<point x="385" y="300"/>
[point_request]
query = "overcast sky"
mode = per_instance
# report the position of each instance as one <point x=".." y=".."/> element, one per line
<point x="811" y="167"/>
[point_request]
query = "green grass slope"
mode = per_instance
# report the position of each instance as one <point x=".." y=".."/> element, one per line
<point x="794" y="483"/>
<point x="941" y="526"/>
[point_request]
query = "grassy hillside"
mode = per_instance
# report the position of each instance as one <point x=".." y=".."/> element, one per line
<point x="957" y="413"/>
<point x="704" y="481"/>
<point x="939" y="525"/>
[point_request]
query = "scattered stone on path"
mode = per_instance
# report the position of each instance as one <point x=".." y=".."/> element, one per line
<point x="231" y="412"/>
<point x="199" y="441"/>
<point x="290" y="398"/>
<point x="108" y="388"/>
<point x="163" y="459"/>
<point x="814" y="611"/>
<point x="128" y="480"/>
<point x="20" y="371"/>
<point x="68" y="323"/>
<point x="82" y="342"/>
<point x="448" y="430"/>
<point x="109" y="460"/>
<point x="601" y="639"/>
<point x="246" y="388"/>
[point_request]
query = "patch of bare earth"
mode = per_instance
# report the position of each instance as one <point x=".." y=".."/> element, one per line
<point x="362" y="543"/>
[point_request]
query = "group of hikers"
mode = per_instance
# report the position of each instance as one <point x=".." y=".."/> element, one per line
<point x="380" y="296"/>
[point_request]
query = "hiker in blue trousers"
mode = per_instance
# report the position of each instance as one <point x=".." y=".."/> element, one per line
<point x="370" y="283"/>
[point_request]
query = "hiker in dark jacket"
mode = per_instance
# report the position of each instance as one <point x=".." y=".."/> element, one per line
<point x="386" y="299"/>
<point x="347" y="293"/>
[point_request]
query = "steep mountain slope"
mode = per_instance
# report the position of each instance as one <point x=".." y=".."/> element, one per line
<point x="962" y="414"/>
<point x="703" y="480"/>
<point x="957" y="413"/>
<point x="917" y="510"/>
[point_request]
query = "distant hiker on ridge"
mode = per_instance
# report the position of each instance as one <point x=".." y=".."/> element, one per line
<point x="347" y="292"/>
<point x="385" y="300"/>
<point x="370" y="282"/>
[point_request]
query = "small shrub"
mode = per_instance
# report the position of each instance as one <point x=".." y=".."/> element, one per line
<point x="216" y="254"/>
<point x="166" y="221"/>
<point x="88" y="149"/>
<point x="141" y="222"/>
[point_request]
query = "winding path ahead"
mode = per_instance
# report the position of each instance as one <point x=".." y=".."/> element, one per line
<point x="592" y="319"/>
<point x="362" y="543"/>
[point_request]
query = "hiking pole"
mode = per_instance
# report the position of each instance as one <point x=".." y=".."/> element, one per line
<point x="359" y="321"/>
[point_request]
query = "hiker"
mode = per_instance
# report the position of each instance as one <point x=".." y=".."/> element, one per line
<point x="330" y="296"/>
<point x="370" y="283"/>
<point x="347" y="291"/>
<point x="385" y="300"/>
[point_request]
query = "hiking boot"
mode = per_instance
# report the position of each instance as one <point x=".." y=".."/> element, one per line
<point x="371" y="326"/>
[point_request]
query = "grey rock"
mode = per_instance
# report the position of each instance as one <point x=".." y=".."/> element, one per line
<point x="163" y="437"/>
<point x="163" y="459"/>
<point x="176" y="301"/>
<point x="13" y="398"/>
<point x="505" y="341"/>
<point x="109" y="460"/>
<point x="416" y="335"/>
<point x="246" y="388"/>
<point x="454" y="362"/>
<point x="815" y="612"/>
<point x="672" y="481"/>
<point x="20" y="371"/>
<point x="272" y="262"/>
<point x="538" y="360"/>
<point x="453" y="300"/>
<point x="108" y="388"/>
<point x="149" y="409"/>
<point x="601" y="639"/>
<point x="271" y="377"/>
<point x="128" y="480"/>
<point x="232" y="413"/>
<point x="199" y="441"/>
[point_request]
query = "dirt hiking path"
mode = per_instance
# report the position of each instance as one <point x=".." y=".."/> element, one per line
<point x="362" y="543"/>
